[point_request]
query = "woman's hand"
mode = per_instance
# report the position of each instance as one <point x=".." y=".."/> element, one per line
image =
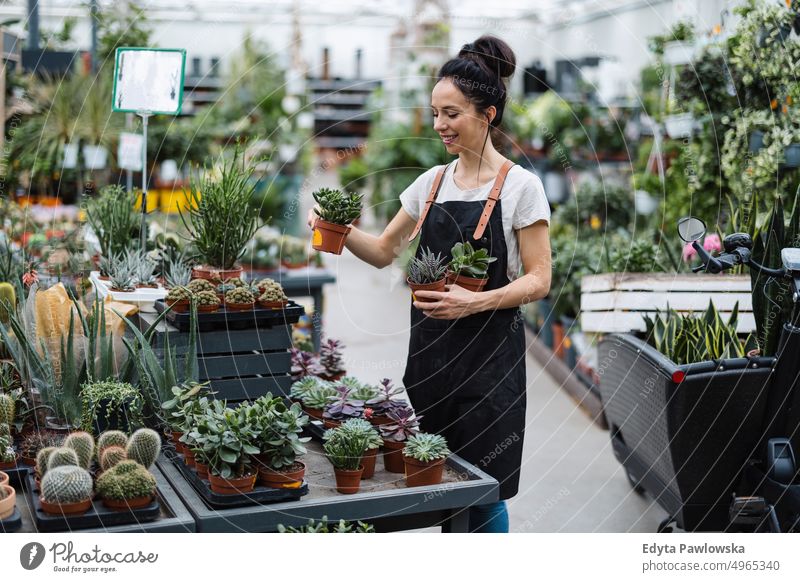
<point x="457" y="302"/>
<point x="312" y="217"/>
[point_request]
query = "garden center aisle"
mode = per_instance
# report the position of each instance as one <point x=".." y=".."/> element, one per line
<point x="570" y="482"/>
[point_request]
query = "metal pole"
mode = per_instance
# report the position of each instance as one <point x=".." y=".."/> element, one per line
<point x="93" y="18"/>
<point x="33" y="25"/>
<point x="128" y="172"/>
<point x="143" y="229"/>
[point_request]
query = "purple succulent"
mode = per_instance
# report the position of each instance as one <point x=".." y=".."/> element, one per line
<point x="404" y="424"/>
<point x="342" y="407"/>
<point x="305" y="364"/>
<point x="330" y="356"/>
<point x="383" y="403"/>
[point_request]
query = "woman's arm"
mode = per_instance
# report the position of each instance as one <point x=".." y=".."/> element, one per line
<point x="378" y="251"/>
<point x="534" y="249"/>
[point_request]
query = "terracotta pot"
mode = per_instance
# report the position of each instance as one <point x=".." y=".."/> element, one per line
<point x="348" y="482"/>
<point x="313" y="412"/>
<point x="207" y="308"/>
<point x="3" y="478"/>
<point x="215" y="274"/>
<point x="181" y="306"/>
<point x="419" y="473"/>
<point x="29" y="461"/>
<point x="273" y="304"/>
<point x="202" y="470"/>
<point x="8" y="503"/>
<point x="66" y="508"/>
<point x="127" y="504"/>
<point x="188" y="457"/>
<point x="239" y="306"/>
<point x="232" y="486"/>
<point x="470" y="283"/>
<point x="290" y="478"/>
<point x="393" y="456"/>
<point x="290" y="265"/>
<point x="329" y="237"/>
<point x="328" y="423"/>
<point x="175" y="437"/>
<point x="436" y="286"/>
<point x="368" y="462"/>
<point x="380" y="419"/>
<point x="11" y="464"/>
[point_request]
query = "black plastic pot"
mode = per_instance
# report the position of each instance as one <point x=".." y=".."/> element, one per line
<point x="792" y="156"/>
<point x="111" y="419"/>
<point x="683" y="433"/>
<point x="756" y="141"/>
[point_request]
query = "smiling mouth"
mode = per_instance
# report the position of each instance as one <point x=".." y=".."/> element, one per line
<point x="448" y="139"/>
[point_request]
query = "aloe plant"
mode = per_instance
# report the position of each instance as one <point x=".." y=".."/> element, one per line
<point x="427" y="268"/>
<point x="113" y="218"/>
<point x="470" y="262"/>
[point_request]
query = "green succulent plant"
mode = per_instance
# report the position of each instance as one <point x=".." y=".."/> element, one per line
<point x="427" y="268"/>
<point x="273" y="294"/>
<point x="7" y="409"/>
<point x="300" y="388"/>
<point x="336" y="206"/>
<point x="279" y="428"/>
<point x="125" y="481"/>
<point x="7" y="453"/>
<point x="41" y="459"/>
<point x="319" y="396"/>
<point x="240" y="295"/>
<point x="355" y="426"/>
<point x="179" y="294"/>
<point x="470" y="262"/>
<point x="426" y="447"/>
<point x="110" y="401"/>
<point x="66" y="484"/>
<point x="345" y="451"/>
<point x="235" y="281"/>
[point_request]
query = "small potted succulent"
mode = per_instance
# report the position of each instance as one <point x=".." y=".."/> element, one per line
<point x="469" y="267"/>
<point x="229" y="446"/>
<point x="424" y="456"/>
<point x="317" y="398"/>
<point x="273" y="298"/>
<point x="111" y="456"/>
<point x="342" y="407"/>
<point x="305" y="364"/>
<point x="206" y="301"/>
<point x="33" y="442"/>
<point x="265" y="284"/>
<point x="111" y="405"/>
<point x="301" y="387"/>
<point x="360" y="390"/>
<point x="361" y="427"/>
<point x="280" y="443"/>
<point x="345" y="453"/>
<point x="111" y="438"/>
<point x="84" y="446"/>
<point x="336" y="210"/>
<point x="179" y="299"/>
<point x="427" y="272"/>
<point x="384" y="402"/>
<point x="8" y="500"/>
<point x="331" y="360"/>
<point x="197" y="285"/>
<point x="181" y="406"/>
<point x="8" y="456"/>
<point x="196" y="417"/>
<point x="145" y="272"/>
<point x="239" y="299"/>
<point x="127" y="485"/>
<point x="66" y="490"/>
<point x="395" y="435"/>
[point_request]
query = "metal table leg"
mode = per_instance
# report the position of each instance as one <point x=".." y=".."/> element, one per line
<point x="316" y="318"/>
<point x="458" y="522"/>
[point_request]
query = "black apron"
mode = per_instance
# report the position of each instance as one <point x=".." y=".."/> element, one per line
<point x="466" y="377"/>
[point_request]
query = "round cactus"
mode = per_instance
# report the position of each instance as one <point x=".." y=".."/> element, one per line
<point x="197" y="285"/>
<point x="111" y="456"/>
<point x="111" y="438"/>
<point x="273" y="294"/>
<point x="62" y="456"/>
<point x="83" y="444"/>
<point x="5" y="429"/>
<point x="41" y="460"/>
<point x="126" y="480"/>
<point x="179" y="294"/>
<point x="67" y="484"/>
<point x="206" y="298"/>
<point x="240" y="295"/>
<point x="235" y="282"/>
<point x="7" y="409"/>
<point x="144" y="446"/>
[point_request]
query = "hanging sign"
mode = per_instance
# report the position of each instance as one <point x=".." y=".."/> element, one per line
<point x="149" y="80"/>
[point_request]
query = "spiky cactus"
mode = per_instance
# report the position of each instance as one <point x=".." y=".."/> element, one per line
<point x="273" y="294"/>
<point x="62" y="456"/>
<point x="111" y="438"/>
<point x="8" y="300"/>
<point x="127" y="480"/>
<point x="66" y="484"/>
<point x="206" y="298"/>
<point x="427" y="268"/>
<point x="235" y="281"/>
<point x="179" y="294"/>
<point x="240" y="295"/>
<point x="41" y="460"/>
<point x="7" y="409"/>
<point x="111" y="456"/>
<point x="83" y="444"/>
<point x="144" y="446"/>
<point x="5" y="430"/>
<point x="7" y="453"/>
<point x="197" y="285"/>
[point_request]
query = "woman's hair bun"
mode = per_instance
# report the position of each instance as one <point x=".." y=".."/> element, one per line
<point x="491" y="54"/>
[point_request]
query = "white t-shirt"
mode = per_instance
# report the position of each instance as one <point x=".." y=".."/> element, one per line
<point x="522" y="199"/>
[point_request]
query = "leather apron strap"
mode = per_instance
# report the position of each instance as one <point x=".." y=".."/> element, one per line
<point x="491" y="201"/>
<point x="437" y="182"/>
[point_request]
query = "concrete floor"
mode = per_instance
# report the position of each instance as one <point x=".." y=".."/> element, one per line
<point x="570" y="479"/>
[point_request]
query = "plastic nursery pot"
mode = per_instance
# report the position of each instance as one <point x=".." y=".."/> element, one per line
<point x="29" y="461"/>
<point x="127" y="504"/>
<point x="175" y="437"/>
<point x="207" y="308"/>
<point x="188" y="457"/>
<point x="273" y="304"/>
<point x="289" y="478"/>
<point x="329" y="237"/>
<point x="214" y="274"/>
<point x="313" y="412"/>
<point x="239" y="306"/>
<point x="368" y="462"/>
<point x="4" y="478"/>
<point x="393" y="456"/>
<point x="8" y="502"/>
<point x="65" y="508"/>
<point x="202" y="470"/>
<point x="232" y="486"/>
<point x="435" y="286"/>
<point x="348" y="482"/>
<point x="181" y="306"/>
<point x="419" y="473"/>
<point x="470" y="283"/>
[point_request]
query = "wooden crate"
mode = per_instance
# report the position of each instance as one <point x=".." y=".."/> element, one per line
<point x="617" y="302"/>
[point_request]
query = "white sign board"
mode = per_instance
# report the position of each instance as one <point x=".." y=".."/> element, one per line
<point x="149" y="80"/>
<point x="129" y="152"/>
<point x="70" y="156"/>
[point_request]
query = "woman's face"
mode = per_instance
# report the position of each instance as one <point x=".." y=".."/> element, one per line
<point x="456" y="120"/>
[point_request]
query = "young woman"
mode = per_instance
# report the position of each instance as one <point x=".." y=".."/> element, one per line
<point x="466" y="364"/>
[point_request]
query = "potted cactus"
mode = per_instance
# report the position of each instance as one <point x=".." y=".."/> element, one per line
<point x="179" y="298"/>
<point x="345" y="453"/>
<point x="83" y="444"/>
<point x="8" y="456"/>
<point x="197" y="285"/>
<point x="360" y="427"/>
<point x="206" y="301"/>
<point x="280" y="442"/>
<point x="66" y="490"/>
<point x="384" y="402"/>
<point x="144" y="447"/>
<point x="395" y="435"/>
<point x="8" y="500"/>
<point x="273" y="298"/>
<point x="126" y="485"/>
<point x="469" y="267"/>
<point x="427" y="272"/>
<point x="331" y="360"/>
<point x="111" y="438"/>
<point x="336" y="210"/>
<point x="111" y="456"/>
<point x="239" y="299"/>
<point x="424" y="456"/>
<point x="342" y="407"/>
<point x="33" y="442"/>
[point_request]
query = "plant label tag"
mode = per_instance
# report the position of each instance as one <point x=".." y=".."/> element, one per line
<point x="317" y="237"/>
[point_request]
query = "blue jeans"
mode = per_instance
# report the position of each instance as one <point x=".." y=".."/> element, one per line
<point x="489" y="518"/>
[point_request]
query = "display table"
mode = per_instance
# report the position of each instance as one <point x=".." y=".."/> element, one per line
<point x="384" y="501"/>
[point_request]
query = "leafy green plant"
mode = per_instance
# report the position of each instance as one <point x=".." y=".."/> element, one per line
<point x="426" y="447"/>
<point x="426" y="268"/>
<point x="357" y="427"/>
<point x="228" y="438"/>
<point x="109" y="400"/>
<point x="638" y="256"/>
<point x="470" y="262"/>
<point x="322" y="527"/>
<point x="218" y="215"/>
<point x="345" y="451"/>
<point x="279" y="430"/>
<point x="336" y="206"/>
<point x="114" y="220"/>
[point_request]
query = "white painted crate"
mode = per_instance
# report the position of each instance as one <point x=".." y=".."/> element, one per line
<point x="617" y="302"/>
<point x="143" y="298"/>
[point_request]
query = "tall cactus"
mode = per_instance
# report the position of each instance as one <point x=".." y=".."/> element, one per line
<point x="144" y="446"/>
<point x="8" y="301"/>
<point x="83" y="444"/>
<point x="68" y="484"/>
<point x="111" y="438"/>
<point x="62" y="456"/>
<point x="41" y="460"/>
<point x="7" y="409"/>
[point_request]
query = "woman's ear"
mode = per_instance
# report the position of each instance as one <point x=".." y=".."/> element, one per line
<point x="490" y="113"/>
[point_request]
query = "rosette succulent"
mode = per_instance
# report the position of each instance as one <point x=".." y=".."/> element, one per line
<point x="426" y="447"/>
<point x="343" y="406"/>
<point x="404" y="425"/>
<point x="384" y="402"/>
<point x="319" y="396"/>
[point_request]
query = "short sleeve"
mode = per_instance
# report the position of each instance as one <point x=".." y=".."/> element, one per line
<point x="532" y="205"/>
<point x="413" y="198"/>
